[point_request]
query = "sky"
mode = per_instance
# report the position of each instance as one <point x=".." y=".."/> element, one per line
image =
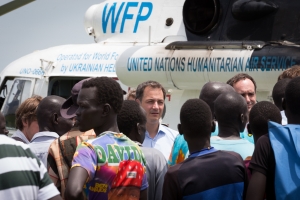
<point x="40" y="25"/>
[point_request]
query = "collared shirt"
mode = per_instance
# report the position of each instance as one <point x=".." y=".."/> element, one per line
<point x="40" y="143"/>
<point x="58" y="168"/>
<point x="163" y="141"/>
<point x="22" y="175"/>
<point x="20" y="135"/>
<point x="156" y="166"/>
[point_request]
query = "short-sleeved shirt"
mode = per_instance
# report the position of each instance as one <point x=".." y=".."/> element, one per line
<point x="60" y="156"/>
<point x="212" y="175"/>
<point x="263" y="161"/>
<point x="22" y="174"/>
<point x="163" y="141"/>
<point x="156" y="169"/>
<point x="180" y="149"/>
<point x="40" y="144"/>
<point x="240" y="146"/>
<point x="113" y="162"/>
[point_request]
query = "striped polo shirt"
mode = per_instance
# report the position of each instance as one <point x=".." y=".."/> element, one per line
<point x="22" y="175"/>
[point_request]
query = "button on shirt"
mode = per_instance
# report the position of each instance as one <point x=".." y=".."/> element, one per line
<point x="163" y="141"/>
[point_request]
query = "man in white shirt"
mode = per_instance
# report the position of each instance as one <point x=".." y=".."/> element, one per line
<point x="51" y="126"/>
<point x="151" y="96"/>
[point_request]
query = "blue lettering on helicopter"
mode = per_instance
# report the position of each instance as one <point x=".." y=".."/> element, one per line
<point x="112" y="14"/>
<point x="32" y="71"/>
<point x="210" y="64"/>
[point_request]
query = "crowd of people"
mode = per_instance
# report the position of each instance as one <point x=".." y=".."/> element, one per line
<point x="96" y="145"/>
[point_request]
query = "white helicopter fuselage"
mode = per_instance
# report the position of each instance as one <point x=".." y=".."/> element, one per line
<point x="136" y="41"/>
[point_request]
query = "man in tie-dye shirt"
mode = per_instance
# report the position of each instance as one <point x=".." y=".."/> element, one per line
<point x="111" y="166"/>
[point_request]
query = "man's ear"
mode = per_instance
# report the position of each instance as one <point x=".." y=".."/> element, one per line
<point x="213" y="126"/>
<point x="55" y="118"/>
<point x="179" y="127"/>
<point x="137" y="100"/>
<point x="106" y="109"/>
<point x="138" y="128"/>
<point x="283" y="104"/>
<point x="25" y="123"/>
<point x="242" y="118"/>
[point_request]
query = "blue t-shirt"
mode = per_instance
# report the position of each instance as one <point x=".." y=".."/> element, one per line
<point x="210" y="174"/>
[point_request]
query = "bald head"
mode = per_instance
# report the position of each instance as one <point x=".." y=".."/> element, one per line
<point x="231" y="110"/>
<point x="211" y="90"/>
<point x="49" y="118"/>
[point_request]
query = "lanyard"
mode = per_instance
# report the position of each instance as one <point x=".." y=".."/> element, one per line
<point x="203" y="152"/>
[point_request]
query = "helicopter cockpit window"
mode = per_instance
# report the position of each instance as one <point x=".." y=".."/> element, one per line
<point x="200" y="17"/>
<point x="17" y="95"/>
<point x="5" y="87"/>
<point x="62" y="86"/>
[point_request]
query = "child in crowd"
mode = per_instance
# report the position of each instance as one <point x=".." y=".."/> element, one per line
<point x="194" y="177"/>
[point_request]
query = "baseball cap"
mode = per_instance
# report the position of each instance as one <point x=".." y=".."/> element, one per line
<point x="70" y="106"/>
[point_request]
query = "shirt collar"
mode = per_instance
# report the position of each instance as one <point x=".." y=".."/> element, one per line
<point x="45" y="133"/>
<point x="21" y="135"/>
<point x="160" y="131"/>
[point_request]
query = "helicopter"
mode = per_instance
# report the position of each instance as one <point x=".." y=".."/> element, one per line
<point x="182" y="44"/>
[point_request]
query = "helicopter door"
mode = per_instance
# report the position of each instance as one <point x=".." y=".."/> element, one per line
<point x="21" y="89"/>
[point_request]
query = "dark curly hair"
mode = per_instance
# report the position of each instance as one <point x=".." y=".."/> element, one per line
<point x="241" y="76"/>
<point x="278" y="92"/>
<point x="108" y="91"/>
<point x="130" y="114"/>
<point x="196" y="118"/>
<point x="259" y="116"/>
<point x="292" y="96"/>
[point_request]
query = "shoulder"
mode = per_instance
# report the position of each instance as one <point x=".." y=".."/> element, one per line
<point x="263" y="141"/>
<point x="248" y="145"/>
<point x="231" y="154"/>
<point x="6" y="141"/>
<point x="153" y="153"/>
<point x="168" y="131"/>
<point x="15" y="149"/>
<point x="53" y="146"/>
<point x="263" y="147"/>
<point x="44" y="134"/>
<point x="173" y="170"/>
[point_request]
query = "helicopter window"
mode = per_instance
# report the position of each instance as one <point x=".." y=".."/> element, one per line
<point x="62" y="86"/>
<point x="18" y="93"/>
<point x="200" y="16"/>
<point x="5" y="87"/>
